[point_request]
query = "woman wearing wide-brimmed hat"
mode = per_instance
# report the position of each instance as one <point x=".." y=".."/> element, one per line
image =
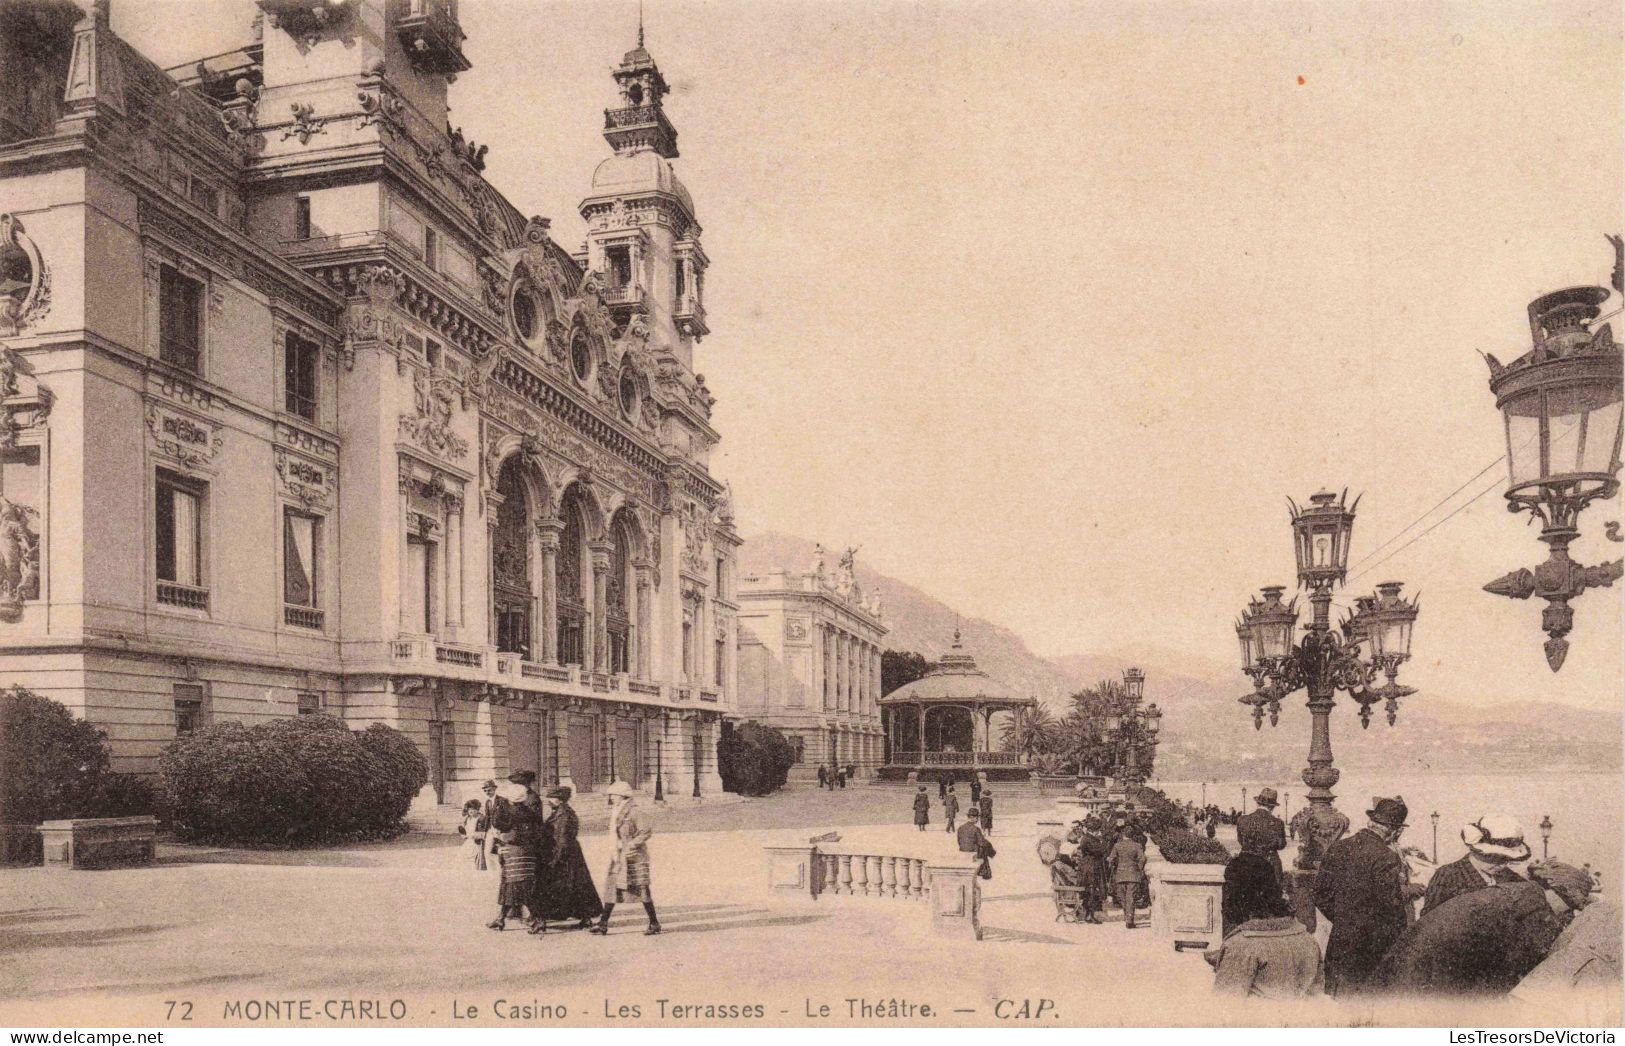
<point x="564" y="889"/>
<point x="628" y="876"/>
<point x="1496" y="853"/>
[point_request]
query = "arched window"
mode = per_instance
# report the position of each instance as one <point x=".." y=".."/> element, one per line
<point x="510" y="564"/>
<point x="619" y="592"/>
<point x="572" y="608"/>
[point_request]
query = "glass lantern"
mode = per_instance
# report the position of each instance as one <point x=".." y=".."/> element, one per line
<point x="1389" y="621"/>
<point x="1320" y="536"/>
<point x="1273" y="623"/>
<point x="1244" y="634"/>
<point x="1134" y="684"/>
<point x="1153" y="719"/>
<point x="1562" y="402"/>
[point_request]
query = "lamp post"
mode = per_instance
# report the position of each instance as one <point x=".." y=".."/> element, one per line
<point x="1131" y="729"/>
<point x="1545" y="836"/>
<point x="1562" y="407"/>
<point x="660" y="777"/>
<point x="699" y="725"/>
<point x="1375" y="640"/>
<point x="1434" y="817"/>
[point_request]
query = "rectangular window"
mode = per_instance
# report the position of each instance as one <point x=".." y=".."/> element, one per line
<point x="419" y="596"/>
<point x="179" y="531"/>
<point x="301" y="217"/>
<point x="301" y="366"/>
<point x="688" y="648"/>
<point x="721" y="665"/>
<point x="180" y="319"/>
<point x="188" y="709"/>
<point x="301" y="564"/>
<point x="620" y="267"/>
<point x="431" y="248"/>
<point x="682" y="284"/>
<point x="310" y="704"/>
<point x="722" y="578"/>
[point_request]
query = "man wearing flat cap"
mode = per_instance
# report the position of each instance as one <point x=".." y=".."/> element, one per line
<point x="1496" y="853"/>
<point x="1360" y="888"/>
<point x="1261" y="832"/>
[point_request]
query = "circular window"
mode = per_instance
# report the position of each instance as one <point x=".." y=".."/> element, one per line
<point x="524" y="313"/>
<point x="629" y="392"/>
<point x="581" y="356"/>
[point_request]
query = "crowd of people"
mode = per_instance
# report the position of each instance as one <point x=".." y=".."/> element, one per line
<point x="972" y="836"/>
<point x="530" y="837"/>
<point x="1492" y="923"/>
<point x="1103" y="863"/>
<point x="837" y="776"/>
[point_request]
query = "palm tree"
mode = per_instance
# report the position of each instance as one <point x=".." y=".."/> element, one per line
<point x="1029" y="730"/>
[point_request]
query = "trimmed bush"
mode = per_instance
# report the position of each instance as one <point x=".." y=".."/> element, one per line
<point x="1164" y="821"/>
<point x="55" y="766"/>
<point x="754" y="759"/>
<point x="291" y="782"/>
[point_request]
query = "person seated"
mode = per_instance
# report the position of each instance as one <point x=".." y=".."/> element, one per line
<point x="1268" y="953"/>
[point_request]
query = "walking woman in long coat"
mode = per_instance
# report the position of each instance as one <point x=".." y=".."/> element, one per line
<point x="564" y="889"/>
<point x="518" y="826"/>
<point x="986" y="811"/>
<point x="922" y="809"/>
<point x="628" y="876"/>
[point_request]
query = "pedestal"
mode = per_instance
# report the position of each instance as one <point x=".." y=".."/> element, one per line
<point x="956" y="898"/>
<point x="1186" y="909"/>
<point x="790" y="871"/>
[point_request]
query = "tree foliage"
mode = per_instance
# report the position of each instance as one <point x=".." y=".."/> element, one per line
<point x="298" y="781"/>
<point x="753" y="759"/>
<point x="55" y="766"/>
<point x="1078" y="742"/>
<point x="899" y="668"/>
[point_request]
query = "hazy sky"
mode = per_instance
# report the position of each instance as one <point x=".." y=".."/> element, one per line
<point x="1049" y="306"/>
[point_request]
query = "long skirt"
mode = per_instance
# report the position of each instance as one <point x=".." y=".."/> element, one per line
<point x="566" y="891"/>
<point x="628" y="878"/>
<point x="472" y="854"/>
<point x="518" y="877"/>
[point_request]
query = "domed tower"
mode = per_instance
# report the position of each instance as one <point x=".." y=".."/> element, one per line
<point x="642" y="238"/>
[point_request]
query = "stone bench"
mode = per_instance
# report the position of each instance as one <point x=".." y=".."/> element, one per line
<point x="100" y="842"/>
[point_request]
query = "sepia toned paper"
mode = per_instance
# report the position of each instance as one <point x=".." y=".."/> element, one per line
<point x="581" y="389"/>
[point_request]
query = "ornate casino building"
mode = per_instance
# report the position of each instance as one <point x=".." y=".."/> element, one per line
<point x="299" y="414"/>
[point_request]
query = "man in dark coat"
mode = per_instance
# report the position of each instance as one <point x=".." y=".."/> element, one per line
<point x="823" y="776"/>
<point x="975" y="791"/>
<point x="1090" y="861"/>
<point x="1261" y="832"/>
<point x="1360" y="888"/>
<point x="1495" y="847"/>
<point x="1481" y="942"/>
<point x="985" y="810"/>
<point x="972" y="841"/>
<point x="564" y="886"/>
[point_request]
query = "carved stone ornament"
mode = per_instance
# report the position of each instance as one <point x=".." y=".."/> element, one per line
<point x="188" y="440"/>
<point x="310" y="483"/>
<point x="795" y="629"/>
<point x="306" y="124"/>
<point x="429" y="426"/>
<point x="25" y="280"/>
<point x="27" y="404"/>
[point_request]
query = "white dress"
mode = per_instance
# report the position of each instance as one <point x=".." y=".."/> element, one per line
<point x="472" y="853"/>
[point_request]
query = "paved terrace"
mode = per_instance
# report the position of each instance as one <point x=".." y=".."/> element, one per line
<point x="403" y="923"/>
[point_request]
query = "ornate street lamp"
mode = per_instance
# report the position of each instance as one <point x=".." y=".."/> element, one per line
<point x="1375" y="639"/>
<point x="1562" y="407"/>
<point x="1434" y="817"/>
<point x="1545" y="836"/>
<point x="1134" y="685"/>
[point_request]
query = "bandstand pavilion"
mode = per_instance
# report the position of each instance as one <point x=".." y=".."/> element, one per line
<point x="942" y="723"/>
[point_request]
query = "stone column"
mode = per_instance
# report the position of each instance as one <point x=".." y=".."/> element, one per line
<point x="454" y="561"/>
<point x="644" y="571"/>
<point x="828" y="645"/>
<point x="547" y="539"/>
<point x="600" y="606"/>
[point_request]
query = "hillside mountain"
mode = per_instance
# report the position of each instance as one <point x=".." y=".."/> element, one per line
<point x="1206" y="731"/>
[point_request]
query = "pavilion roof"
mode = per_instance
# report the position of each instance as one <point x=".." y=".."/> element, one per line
<point x="956" y="680"/>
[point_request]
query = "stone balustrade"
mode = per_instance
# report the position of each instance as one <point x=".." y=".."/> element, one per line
<point x="887" y="864"/>
<point x="840" y="870"/>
